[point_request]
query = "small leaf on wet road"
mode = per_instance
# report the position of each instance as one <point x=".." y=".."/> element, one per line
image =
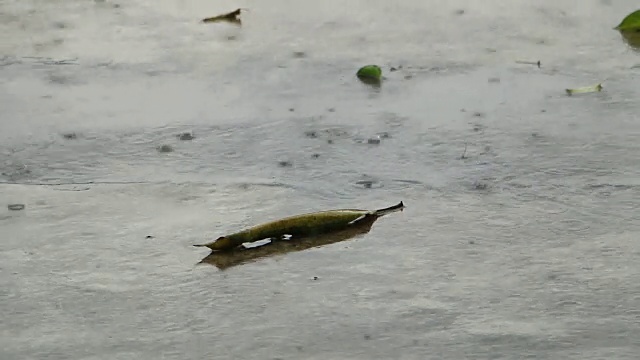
<point x="233" y="17"/>
<point x="629" y="29"/>
<point x="584" y="89"/>
<point x="370" y="74"/>
<point x="630" y="23"/>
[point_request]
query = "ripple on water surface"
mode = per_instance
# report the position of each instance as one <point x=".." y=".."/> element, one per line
<point x="520" y="228"/>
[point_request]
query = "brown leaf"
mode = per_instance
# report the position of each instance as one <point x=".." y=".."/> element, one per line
<point x="233" y="17"/>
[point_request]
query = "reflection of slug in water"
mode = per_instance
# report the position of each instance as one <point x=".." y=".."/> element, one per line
<point x="300" y="225"/>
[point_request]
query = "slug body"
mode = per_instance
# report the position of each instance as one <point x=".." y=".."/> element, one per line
<point x="299" y="225"/>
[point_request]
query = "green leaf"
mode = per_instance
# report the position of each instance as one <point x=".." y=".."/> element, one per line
<point x="630" y="23"/>
<point x="372" y="72"/>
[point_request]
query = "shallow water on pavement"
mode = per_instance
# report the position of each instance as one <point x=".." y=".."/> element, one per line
<point x="519" y="237"/>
